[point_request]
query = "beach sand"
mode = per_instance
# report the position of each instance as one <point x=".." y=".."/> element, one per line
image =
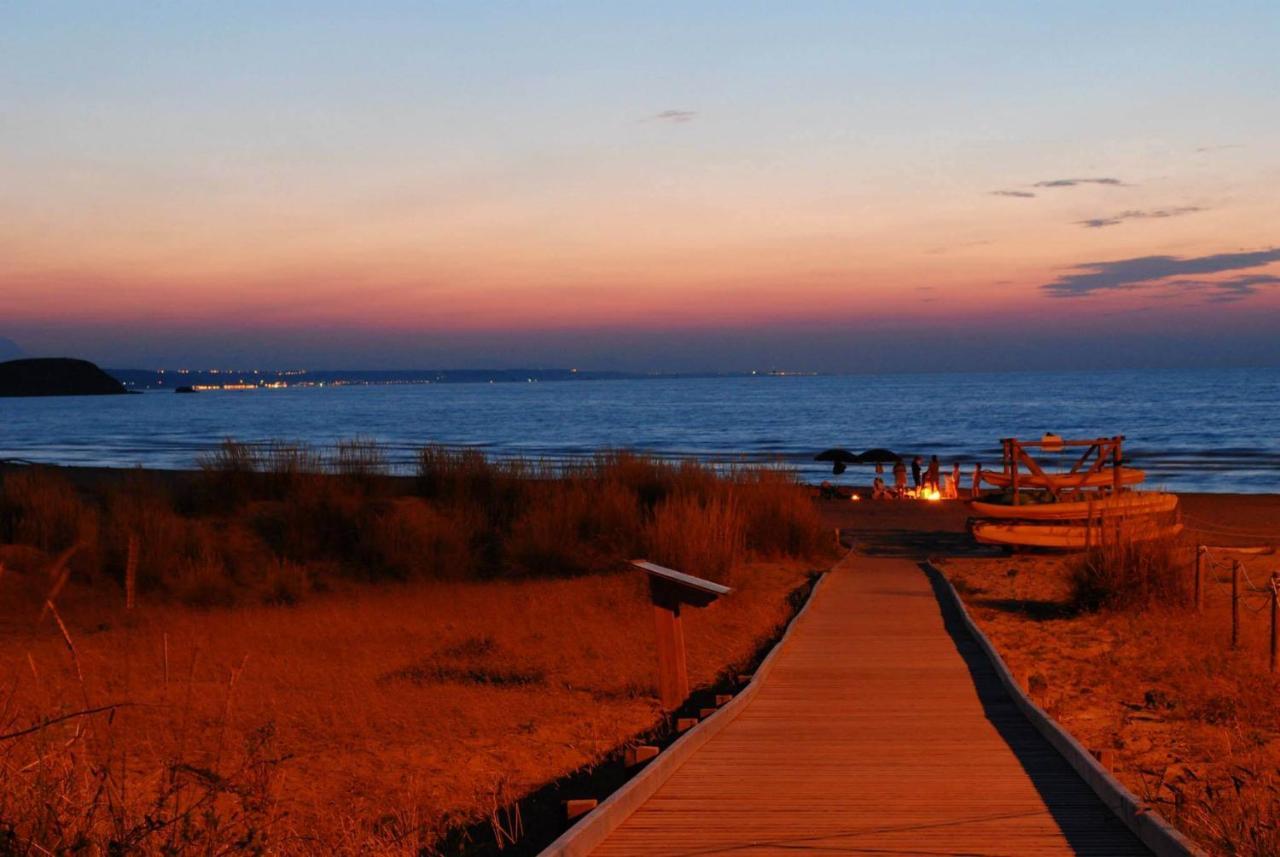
<point x="1186" y="723"/>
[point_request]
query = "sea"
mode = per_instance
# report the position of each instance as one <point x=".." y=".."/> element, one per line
<point x="1191" y="430"/>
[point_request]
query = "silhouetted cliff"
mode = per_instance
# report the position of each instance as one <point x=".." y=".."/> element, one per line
<point x="56" y="376"/>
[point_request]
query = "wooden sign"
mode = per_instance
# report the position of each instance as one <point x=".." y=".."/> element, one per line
<point x="669" y="590"/>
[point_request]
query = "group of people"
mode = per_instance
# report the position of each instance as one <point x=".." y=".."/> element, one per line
<point x="924" y="479"/>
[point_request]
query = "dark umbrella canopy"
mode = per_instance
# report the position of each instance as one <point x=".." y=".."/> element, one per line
<point x="879" y="455"/>
<point x="840" y="459"/>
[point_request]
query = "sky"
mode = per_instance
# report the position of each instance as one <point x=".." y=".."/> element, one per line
<point x="836" y="187"/>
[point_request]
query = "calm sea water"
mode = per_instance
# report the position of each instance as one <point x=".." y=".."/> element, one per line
<point x="1213" y="430"/>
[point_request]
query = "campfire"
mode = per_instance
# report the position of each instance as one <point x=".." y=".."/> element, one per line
<point x="924" y="492"/>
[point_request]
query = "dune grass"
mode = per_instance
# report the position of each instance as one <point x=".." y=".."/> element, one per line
<point x="326" y="659"/>
<point x="1123" y="574"/>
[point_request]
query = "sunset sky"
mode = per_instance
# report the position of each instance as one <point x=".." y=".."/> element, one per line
<point x="669" y="186"/>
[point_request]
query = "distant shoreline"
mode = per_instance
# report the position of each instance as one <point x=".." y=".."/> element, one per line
<point x="168" y="379"/>
<point x="240" y="379"/>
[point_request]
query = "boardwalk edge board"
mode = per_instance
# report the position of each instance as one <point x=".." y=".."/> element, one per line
<point x="1148" y="825"/>
<point x="579" y="840"/>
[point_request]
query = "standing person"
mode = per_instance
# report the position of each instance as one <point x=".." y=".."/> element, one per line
<point x="915" y="470"/>
<point x="879" y="468"/>
<point x="953" y="490"/>
<point x="932" y="476"/>
<point x="899" y="478"/>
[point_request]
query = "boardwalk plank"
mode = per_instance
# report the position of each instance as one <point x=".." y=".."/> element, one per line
<point x="880" y="731"/>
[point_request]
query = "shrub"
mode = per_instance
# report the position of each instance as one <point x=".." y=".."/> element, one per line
<point x="360" y="458"/>
<point x="202" y="581"/>
<point x="781" y="519"/>
<point x="320" y="520"/>
<point x="284" y="582"/>
<point x="267" y="522"/>
<point x="141" y="512"/>
<point x="1240" y="816"/>
<point x="704" y="538"/>
<point x="409" y="539"/>
<point x="229" y="474"/>
<point x="39" y="507"/>
<point x="649" y="479"/>
<point x="573" y="527"/>
<point x="284" y="465"/>
<point x="1124" y="574"/>
<point x="465" y="475"/>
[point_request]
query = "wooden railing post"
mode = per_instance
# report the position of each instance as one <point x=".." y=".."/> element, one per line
<point x="1201" y="550"/>
<point x="1117" y="458"/>
<point x="673" y="672"/>
<point x="1275" y="617"/>
<point x="1235" y="604"/>
<point x="1013" y="476"/>
<point x="131" y="574"/>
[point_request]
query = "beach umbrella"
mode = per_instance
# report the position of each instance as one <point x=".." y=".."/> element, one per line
<point x="840" y="459"/>
<point x="879" y="455"/>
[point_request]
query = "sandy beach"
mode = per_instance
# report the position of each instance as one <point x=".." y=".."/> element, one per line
<point x="394" y="714"/>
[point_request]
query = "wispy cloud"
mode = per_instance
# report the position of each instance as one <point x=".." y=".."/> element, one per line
<point x="1230" y="289"/>
<point x="675" y="116"/>
<point x="1021" y="194"/>
<point x="1075" y="182"/>
<point x="1219" y="147"/>
<point x="1153" y="214"/>
<point x="1166" y="272"/>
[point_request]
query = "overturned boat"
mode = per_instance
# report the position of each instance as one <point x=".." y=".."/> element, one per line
<point x="1069" y="536"/>
<point x="1129" y="503"/>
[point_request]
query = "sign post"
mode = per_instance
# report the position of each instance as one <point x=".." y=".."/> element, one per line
<point x="669" y="590"/>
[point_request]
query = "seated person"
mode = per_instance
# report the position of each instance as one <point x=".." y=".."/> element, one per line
<point x="879" y="491"/>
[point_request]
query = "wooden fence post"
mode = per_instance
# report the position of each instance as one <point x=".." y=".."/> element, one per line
<point x="131" y="573"/>
<point x="1235" y="604"/>
<point x="1200" y="552"/>
<point x="673" y="675"/>
<point x="1275" y="617"/>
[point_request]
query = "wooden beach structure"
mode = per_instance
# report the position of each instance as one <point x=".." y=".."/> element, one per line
<point x="1072" y="509"/>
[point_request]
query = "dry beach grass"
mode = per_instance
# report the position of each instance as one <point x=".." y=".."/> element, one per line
<point x="346" y="663"/>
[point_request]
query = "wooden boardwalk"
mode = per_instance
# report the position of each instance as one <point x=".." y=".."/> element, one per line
<point x="881" y="730"/>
